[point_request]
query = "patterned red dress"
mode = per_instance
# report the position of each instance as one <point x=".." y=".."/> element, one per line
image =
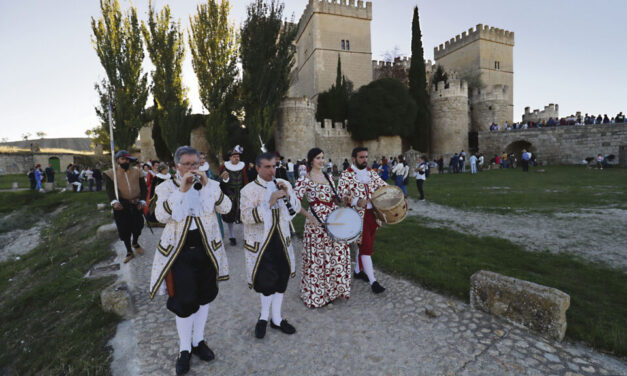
<point x="326" y="263"/>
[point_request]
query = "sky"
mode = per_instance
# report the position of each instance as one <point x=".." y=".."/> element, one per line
<point x="569" y="52"/>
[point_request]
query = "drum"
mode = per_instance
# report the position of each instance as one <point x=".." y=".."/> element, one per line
<point x="344" y="225"/>
<point x="389" y="204"/>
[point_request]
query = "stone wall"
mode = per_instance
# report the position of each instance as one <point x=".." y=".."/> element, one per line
<point x="20" y="163"/>
<point x="146" y="143"/>
<point x="490" y="105"/>
<point x="450" y="118"/>
<point x="558" y="145"/>
<point x="550" y="111"/>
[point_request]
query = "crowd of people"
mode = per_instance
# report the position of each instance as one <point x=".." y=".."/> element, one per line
<point x="564" y="121"/>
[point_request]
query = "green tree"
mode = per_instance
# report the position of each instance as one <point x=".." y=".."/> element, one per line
<point x="166" y="48"/>
<point x="118" y="43"/>
<point x="381" y="108"/>
<point x="267" y="56"/>
<point x="333" y="103"/>
<point x="213" y="42"/>
<point x="418" y="89"/>
<point x="439" y="75"/>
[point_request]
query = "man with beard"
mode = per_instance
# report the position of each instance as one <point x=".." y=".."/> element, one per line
<point x="356" y="186"/>
<point x="233" y="180"/>
<point x="128" y="203"/>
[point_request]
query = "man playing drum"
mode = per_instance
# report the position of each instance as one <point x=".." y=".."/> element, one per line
<point x="356" y="186"/>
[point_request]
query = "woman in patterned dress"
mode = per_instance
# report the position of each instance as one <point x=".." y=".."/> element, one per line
<point x="326" y="263"/>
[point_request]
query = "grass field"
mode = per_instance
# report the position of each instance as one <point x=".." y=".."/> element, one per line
<point x="7" y="180"/>
<point x="51" y="321"/>
<point x="558" y="188"/>
<point x="443" y="260"/>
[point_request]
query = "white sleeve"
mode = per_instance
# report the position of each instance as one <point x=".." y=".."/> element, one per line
<point x="179" y="206"/>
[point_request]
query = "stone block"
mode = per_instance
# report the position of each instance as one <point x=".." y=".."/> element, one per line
<point x="109" y="231"/>
<point x="48" y="187"/>
<point x="117" y="298"/>
<point x="540" y="308"/>
<point x="15" y="185"/>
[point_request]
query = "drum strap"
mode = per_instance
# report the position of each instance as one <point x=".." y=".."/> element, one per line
<point x="335" y="196"/>
<point x="315" y="215"/>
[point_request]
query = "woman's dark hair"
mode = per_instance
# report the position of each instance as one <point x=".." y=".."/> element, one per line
<point x="311" y="155"/>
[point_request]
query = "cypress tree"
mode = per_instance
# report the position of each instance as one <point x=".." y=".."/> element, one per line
<point x="418" y="89"/>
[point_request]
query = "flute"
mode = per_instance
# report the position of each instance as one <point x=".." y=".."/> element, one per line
<point x="286" y="200"/>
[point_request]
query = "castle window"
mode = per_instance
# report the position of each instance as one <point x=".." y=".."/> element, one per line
<point x="343" y="45"/>
<point x="348" y="45"/>
<point x="497" y="65"/>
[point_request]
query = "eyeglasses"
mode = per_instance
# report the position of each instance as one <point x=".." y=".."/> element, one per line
<point x="189" y="164"/>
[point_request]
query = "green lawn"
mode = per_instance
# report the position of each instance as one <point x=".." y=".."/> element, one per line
<point x="443" y="260"/>
<point x="6" y="181"/>
<point x="558" y="188"/>
<point x="51" y="321"/>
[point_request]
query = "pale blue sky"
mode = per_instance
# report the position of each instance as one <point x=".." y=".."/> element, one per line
<point x="570" y="52"/>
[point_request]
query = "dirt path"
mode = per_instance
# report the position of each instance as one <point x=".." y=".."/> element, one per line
<point x="594" y="234"/>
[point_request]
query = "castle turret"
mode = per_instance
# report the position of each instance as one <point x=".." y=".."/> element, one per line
<point x="550" y="111"/>
<point x="295" y="129"/>
<point x="449" y="118"/>
<point x="490" y="105"/>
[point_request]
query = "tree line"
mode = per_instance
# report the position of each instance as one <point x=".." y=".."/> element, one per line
<point x="241" y="103"/>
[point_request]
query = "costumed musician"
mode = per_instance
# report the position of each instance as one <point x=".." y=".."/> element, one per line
<point x="233" y="180"/>
<point x="127" y="211"/>
<point x="326" y="262"/>
<point x="356" y="186"/>
<point x="268" y="206"/>
<point x="190" y="257"/>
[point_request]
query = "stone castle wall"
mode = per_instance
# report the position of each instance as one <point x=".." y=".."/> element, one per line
<point x="550" y="111"/>
<point x="321" y="29"/>
<point x="490" y="105"/>
<point x="450" y="118"/>
<point x="146" y="143"/>
<point x="298" y="131"/>
<point x="558" y="145"/>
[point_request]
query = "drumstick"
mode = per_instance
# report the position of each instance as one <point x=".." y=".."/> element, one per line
<point x="335" y="224"/>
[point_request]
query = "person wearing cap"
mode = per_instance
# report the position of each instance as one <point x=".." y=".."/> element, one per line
<point x="233" y="180"/>
<point x="129" y="203"/>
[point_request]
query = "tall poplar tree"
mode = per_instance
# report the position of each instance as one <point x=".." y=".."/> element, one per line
<point x="213" y="42"/>
<point x="118" y="43"/>
<point x="166" y="48"/>
<point x="267" y="58"/>
<point x="421" y="138"/>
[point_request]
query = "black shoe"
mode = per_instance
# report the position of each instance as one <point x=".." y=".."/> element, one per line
<point x="182" y="363"/>
<point x="260" y="328"/>
<point x="361" y="275"/>
<point x="285" y="327"/>
<point x="377" y="288"/>
<point x="232" y="240"/>
<point x="203" y="351"/>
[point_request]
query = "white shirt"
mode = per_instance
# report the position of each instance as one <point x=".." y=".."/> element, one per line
<point x="193" y="203"/>
<point x="290" y="167"/>
<point x="363" y="176"/>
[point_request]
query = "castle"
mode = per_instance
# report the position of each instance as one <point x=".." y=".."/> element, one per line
<point x="327" y="29"/>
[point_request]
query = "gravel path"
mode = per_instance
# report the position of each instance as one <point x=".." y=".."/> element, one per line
<point x="388" y="334"/>
<point x="594" y="234"/>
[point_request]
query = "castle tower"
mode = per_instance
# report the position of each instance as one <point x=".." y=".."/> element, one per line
<point x="550" y="111"/>
<point x="326" y="29"/>
<point x="490" y="105"/>
<point x="295" y="131"/>
<point x="485" y="50"/>
<point x="449" y="118"/>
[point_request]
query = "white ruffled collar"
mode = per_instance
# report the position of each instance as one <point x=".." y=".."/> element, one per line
<point x="231" y="167"/>
<point x="163" y="176"/>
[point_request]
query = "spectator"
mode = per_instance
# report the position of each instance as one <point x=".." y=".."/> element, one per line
<point x="31" y="178"/>
<point x="346" y="164"/>
<point x="290" y="172"/>
<point x="473" y="164"/>
<point x="606" y="120"/>
<point x="97" y="174"/>
<point x="89" y="176"/>
<point x="330" y="167"/>
<point x="600" y="161"/>
<point x="38" y="174"/>
<point x="480" y="162"/>
<point x="525" y="160"/>
<point x="49" y="172"/>
<point x="441" y="165"/>
<point x="72" y="177"/>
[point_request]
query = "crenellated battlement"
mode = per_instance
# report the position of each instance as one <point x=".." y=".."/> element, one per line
<point x="492" y="93"/>
<point x="473" y="34"/>
<point x="453" y="88"/>
<point x="404" y="61"/>
<point x="298" y="102"/>
<point x="550" y="111"/>
<point x="346" y="8"/>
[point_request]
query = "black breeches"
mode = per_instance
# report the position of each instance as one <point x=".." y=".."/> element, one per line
<point x="273" y="272"/>
<point x="129" y="221"/>
<point x="195" y="279"/>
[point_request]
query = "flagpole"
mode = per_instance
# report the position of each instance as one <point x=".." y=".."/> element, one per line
<point x="115" y="179"/>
